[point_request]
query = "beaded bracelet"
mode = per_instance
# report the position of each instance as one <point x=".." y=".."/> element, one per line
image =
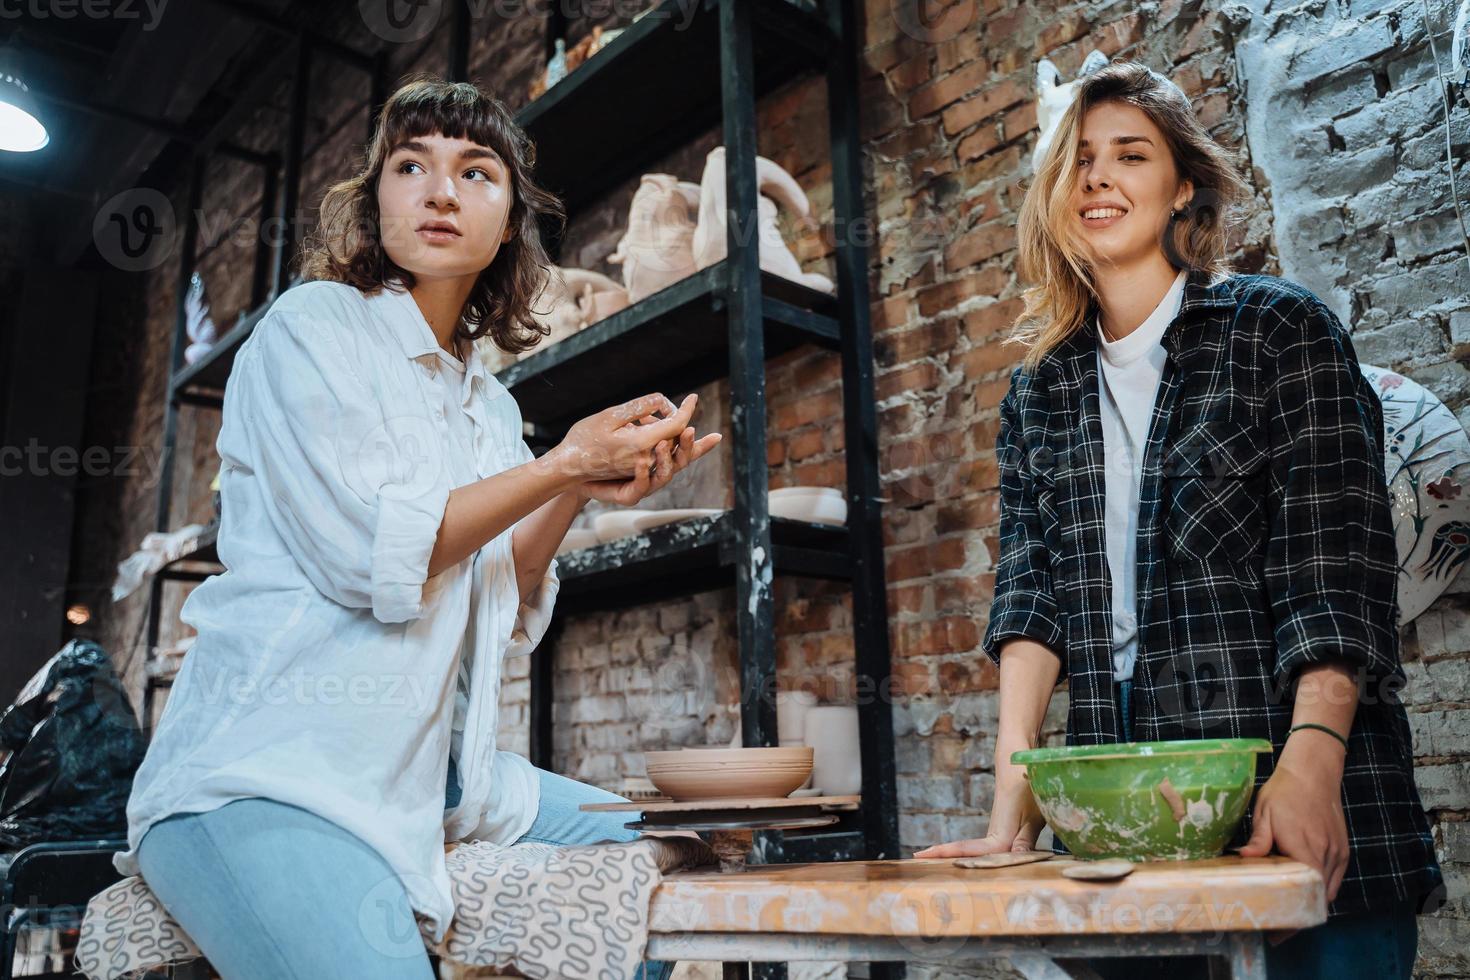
<point x="1320" y="728"/>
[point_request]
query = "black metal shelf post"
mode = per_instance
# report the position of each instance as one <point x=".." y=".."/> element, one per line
<point x="762" y="316"/>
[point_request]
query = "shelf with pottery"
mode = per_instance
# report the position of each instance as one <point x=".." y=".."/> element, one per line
<point x="587" y="140"/>
<point x="675" y="340"/>
<point x="677" y="313"/>
<point x="631" y="557"/>
<point x="664" y="325"/>
<point x="211" y="356"/>
<point x="204" y="551"/>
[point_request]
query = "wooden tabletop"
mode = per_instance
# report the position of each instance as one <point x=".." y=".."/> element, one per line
<point x="934" y="898"/>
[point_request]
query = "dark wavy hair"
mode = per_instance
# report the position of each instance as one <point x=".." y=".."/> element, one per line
<point x="347" y="244"/>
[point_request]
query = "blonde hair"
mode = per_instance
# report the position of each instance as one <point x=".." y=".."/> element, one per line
<point x="1049" y="254"/>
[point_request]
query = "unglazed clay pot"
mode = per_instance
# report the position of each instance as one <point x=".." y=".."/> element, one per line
<point x="567" y="300"/>
<point x="655" y="251"/>
<point x="775" y="186"/>
<point x="718" y="773"/>
<point x="832" y="735"/>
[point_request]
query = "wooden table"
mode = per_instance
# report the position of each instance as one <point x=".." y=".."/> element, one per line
<point x="931" y="910"/>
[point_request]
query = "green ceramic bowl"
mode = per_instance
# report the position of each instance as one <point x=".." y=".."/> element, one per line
<point x="1145" y="801"/>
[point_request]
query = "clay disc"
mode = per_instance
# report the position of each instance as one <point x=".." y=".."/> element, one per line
<point x="1004" y="859"/>
<point x="1098" y="870"/>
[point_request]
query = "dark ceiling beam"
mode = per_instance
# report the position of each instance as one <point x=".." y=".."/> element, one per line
<point x="161" y="126"/>
<point x="31" y="185"/>
<point x="60" y="46"/>
<point x="271" y="22"/>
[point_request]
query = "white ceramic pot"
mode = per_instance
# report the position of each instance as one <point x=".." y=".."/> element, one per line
<point x="791" y="709"/>
<point x="832" y="732"/>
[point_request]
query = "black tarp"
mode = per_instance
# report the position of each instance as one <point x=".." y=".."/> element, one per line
<point x="74" y="745"/>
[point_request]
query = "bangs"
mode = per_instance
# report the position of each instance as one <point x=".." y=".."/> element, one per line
<point x="455" y="111"/>
<point x="347" y="243"/>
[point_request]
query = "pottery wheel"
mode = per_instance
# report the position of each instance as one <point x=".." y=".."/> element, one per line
<point x="730" y="824"/>
<point x="731" y="833"/>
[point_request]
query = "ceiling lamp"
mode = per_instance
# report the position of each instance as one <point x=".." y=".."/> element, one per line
<point x="21" y="130"/>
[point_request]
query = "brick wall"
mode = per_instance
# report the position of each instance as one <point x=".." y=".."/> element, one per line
<point x="1343" y="146"/>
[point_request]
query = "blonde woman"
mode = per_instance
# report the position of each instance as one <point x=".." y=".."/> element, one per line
<point x="1195" y="529"/>
<point x="389" y="540"/>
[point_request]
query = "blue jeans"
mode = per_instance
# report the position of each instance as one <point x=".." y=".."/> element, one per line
<point x="1365" y="946"/>
<point x="1368" y="946"/>
<point x="267" y="889"/>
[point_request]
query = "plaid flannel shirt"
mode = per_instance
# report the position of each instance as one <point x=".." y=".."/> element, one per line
<point x="1265" y="544"/>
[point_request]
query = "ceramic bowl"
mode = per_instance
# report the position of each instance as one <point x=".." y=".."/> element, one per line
<point x="613" y="524"/>
<point x="578" y="538"/>
<point x="720" y="773"/>
<point x="657" y="518"/>
<point x="1145" y="801"/>
<point x="792" y="493"/>
<point x="815" y="508"/>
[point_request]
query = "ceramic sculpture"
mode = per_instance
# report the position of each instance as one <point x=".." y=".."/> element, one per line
<point x="198" y="324"/>
<point x="1427" y="462"/>
<point x="572" y="300"/>
<point x="656" y="250"/>
<point x="1053" y="97"/>
<point x="775" y="186"/>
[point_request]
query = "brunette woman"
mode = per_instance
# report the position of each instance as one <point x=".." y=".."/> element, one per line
<point x="1195" y="528"/>
<point x="389" y="540"/>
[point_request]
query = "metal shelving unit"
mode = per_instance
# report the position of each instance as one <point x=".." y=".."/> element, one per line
<point x="724" y="322"/>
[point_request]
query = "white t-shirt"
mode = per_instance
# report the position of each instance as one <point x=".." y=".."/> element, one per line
<point x="1129" y="370"/>
<point x="327" y="664"/>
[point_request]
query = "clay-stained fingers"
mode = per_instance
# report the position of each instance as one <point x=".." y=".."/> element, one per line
<point x="670" y="427"/>
<point x="641" y="408"/>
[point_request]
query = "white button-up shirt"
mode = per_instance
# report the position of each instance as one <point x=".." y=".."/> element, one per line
<point x="326" y="666"/>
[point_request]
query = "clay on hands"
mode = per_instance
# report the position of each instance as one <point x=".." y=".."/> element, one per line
<point x="605" y="446"/>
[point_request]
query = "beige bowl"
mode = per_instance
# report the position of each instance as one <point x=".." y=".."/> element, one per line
<point x="717" y="773"/>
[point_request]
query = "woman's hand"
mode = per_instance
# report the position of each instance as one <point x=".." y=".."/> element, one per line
<point x="656" y="468"/>
<point x="1015" y="820"/>
<point x="1299" y="808"/>
<point x="616" y="443"/>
